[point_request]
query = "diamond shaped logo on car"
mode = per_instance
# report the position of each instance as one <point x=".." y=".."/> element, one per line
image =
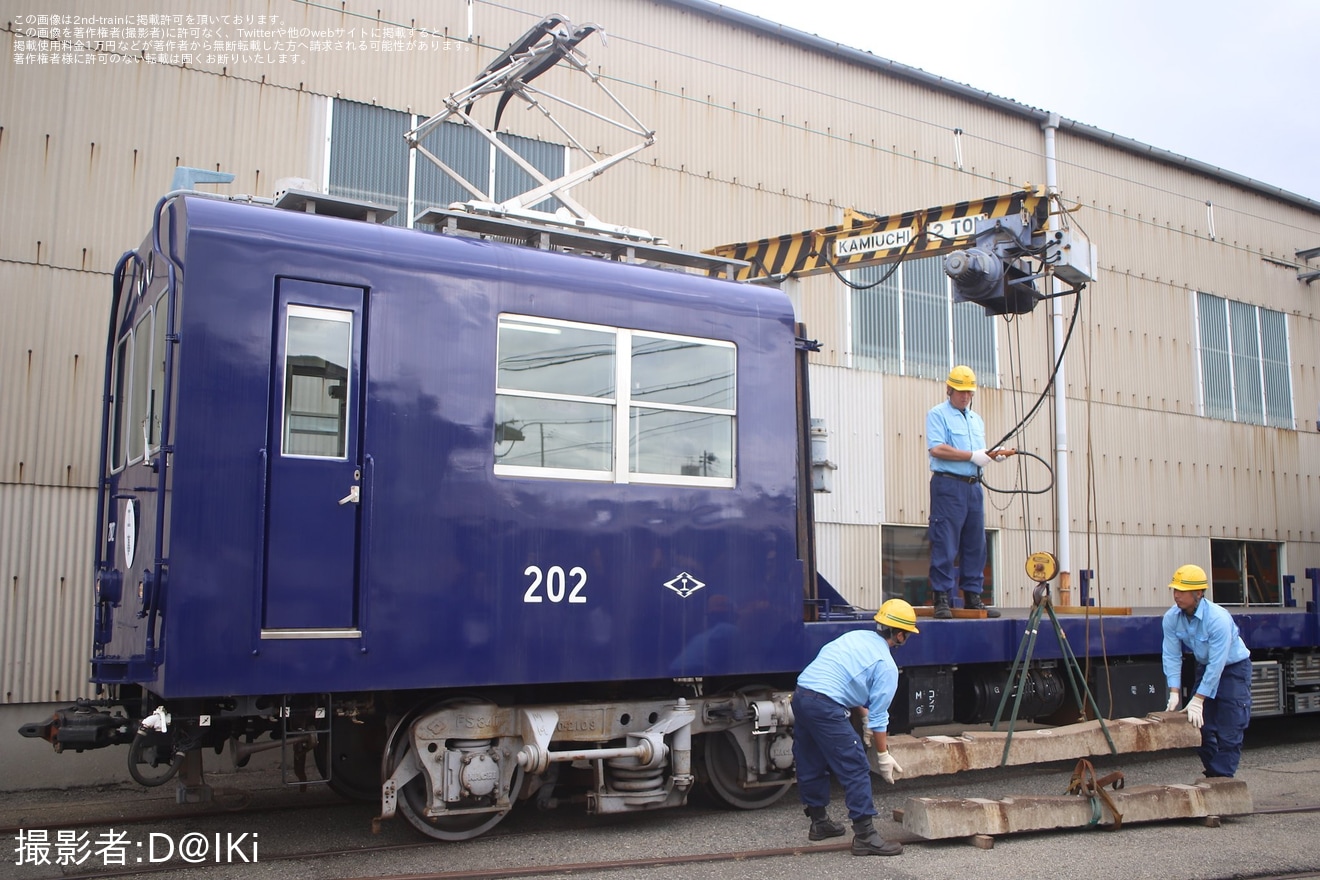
<point x="684" y="584"/>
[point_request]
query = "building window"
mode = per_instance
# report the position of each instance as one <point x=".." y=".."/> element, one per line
<point x="905" y="563"/>
<point x="369" y="160"/>
<point x="368" y="156"/>
<point x="1245" y="573"/>
<point x="1244" y="362"/>
<point x="909" y="324"/>
<point x="587" y="402"/>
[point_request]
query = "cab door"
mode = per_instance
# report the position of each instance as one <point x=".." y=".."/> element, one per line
<point x="313" y="514"/>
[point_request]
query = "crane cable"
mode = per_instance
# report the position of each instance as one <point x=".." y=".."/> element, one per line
<point x="902" y="257"/>
<point x="1090" y="479"/>
<point x="1031" y="414"/>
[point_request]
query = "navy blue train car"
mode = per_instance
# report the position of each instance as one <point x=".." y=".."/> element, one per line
<point x="368" y="487"/>
<point x="470" y="522"/>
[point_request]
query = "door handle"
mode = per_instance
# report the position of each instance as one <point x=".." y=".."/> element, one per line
<point x="351" y="497"/>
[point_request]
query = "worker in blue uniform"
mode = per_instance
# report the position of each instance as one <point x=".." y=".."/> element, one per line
<point x="855" y="671"/>
<point x="955" y="440"/>
<point x="1221" y="699"/>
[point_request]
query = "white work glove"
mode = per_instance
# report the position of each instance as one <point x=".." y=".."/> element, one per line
<point x="1194" y="714"/>
<point x="1174" y="699"/>
<point x="980" y="459"/>
<point x="888" y="768"/>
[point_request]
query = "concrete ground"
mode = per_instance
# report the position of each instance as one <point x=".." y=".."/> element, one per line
<point x="1281" y="767"/>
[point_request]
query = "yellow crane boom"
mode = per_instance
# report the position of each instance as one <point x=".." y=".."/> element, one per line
<point x="866" y="240"/>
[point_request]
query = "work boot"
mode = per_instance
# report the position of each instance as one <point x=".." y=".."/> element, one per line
<point x="942" y="609"/>
<point x="972" y="602"/>
<point x="868" y="842"/>
<point x="821" y="824"/>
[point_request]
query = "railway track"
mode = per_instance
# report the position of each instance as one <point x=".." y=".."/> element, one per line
<point x="511" y="839"/>
<point x="315" y="831"/>
<point x="233" y="802"/>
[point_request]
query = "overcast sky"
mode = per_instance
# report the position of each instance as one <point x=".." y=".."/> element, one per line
<point x="1228" y="83"/>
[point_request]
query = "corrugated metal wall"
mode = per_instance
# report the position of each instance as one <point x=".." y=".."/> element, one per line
<point x="45" y="606"/>
<point x="52" y="351"/>
<point x="848" y="403"/>
<point x="755" y="136"/>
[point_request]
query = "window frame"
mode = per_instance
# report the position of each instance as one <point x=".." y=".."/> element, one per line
<point x="913" y="584"/>
<point x="623" y="408"/>
<point x="137" y="387"/>
<point x="1248" y="569"/>
<point x="344" y="418"/>
<point x="365" y="149"/>
<point x="1241" y="346"/>
<point x="121" y="388"/>
<point x="139" y="393"/>
<point x="865" y="333"/>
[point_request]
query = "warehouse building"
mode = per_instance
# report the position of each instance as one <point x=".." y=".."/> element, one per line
<point x="1186" y="425"/>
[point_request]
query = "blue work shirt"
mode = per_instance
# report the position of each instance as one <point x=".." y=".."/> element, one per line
<point x="856" y="669"/>
<point x="961" y="429"/>
<point x="1213" y="638"/>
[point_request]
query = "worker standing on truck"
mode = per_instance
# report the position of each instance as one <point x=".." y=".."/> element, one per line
<point x="955" y="439"/>
<point x="1221" y="700"/>
<point x="855" y="671"/>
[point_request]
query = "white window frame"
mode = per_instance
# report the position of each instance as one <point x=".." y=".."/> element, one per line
<point x="622" y="406"/>
<point x="1235" y="381"/>
<point x="988" y="376"/>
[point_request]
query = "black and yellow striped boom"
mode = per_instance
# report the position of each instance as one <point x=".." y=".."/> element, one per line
<point x="865" y="240"/>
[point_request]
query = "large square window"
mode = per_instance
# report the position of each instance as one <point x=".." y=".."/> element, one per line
<point x="580" y="401"/>
<point x="1244" y="362"/>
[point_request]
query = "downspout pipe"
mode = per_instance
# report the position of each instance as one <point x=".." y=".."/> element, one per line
<point x="1063" y="542"/>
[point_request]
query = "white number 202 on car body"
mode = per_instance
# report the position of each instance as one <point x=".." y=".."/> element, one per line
<point x="553" y="585"/>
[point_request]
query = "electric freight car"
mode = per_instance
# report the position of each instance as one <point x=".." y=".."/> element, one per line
<point x="463" y="503"/>
<point x="471" y="522"/>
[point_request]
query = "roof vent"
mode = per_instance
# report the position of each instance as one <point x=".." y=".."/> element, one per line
<point x="297" y="194"/>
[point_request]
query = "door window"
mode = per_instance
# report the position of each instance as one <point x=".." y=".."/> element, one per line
<point x="318" y="355"/>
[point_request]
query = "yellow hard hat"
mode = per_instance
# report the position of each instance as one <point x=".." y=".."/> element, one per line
<point x="897" y="614"/>
<point x="1189" y="577"/>
<point x="961" y="378"/>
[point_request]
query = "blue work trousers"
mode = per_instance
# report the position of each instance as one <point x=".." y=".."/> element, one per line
<point x="957" y="531"/>
<point x="1226" y="718"/>
<point x="824" y="743"/>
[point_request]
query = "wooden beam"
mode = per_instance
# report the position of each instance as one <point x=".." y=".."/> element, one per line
<point x="983" y="749"/>
<point x="973" y="818"/>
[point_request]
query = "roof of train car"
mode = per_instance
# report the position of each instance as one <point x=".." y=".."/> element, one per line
<point x="401" y="247"/>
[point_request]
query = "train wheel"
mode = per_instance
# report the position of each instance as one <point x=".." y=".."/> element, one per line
<point x="351" y="761"/>
<point x="412" y="796"/>
<point x="725" y="769"/>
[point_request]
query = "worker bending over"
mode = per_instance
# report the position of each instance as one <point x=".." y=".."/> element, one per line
<point x="1221" y="699"/>
<point x="855" y="671"/>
